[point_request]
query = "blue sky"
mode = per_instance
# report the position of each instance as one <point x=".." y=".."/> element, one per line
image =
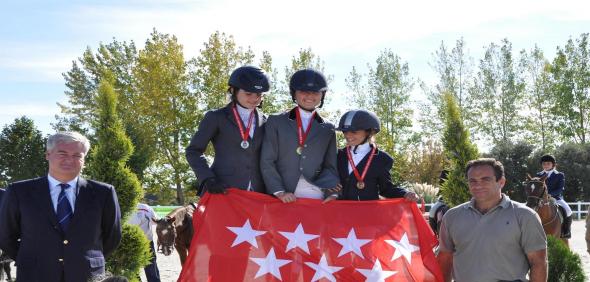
<point x="40" y="39"/>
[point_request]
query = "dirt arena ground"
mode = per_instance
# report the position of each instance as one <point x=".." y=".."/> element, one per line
<point x="170" y="265"/>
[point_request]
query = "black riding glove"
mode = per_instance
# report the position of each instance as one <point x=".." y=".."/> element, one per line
<point x="214" y="186"/>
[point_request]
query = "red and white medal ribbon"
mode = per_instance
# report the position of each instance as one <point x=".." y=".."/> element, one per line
<point x="302" y="135"/>
<point x="360" y="177"/>
<point x="243" y="133"/>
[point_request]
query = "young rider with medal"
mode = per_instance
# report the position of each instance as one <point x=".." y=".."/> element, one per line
<point x="363" y="168"/>
<point x="298" y="158"/>
<point x="236" y="132"/>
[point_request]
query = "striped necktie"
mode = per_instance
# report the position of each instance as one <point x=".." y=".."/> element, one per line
<point x="64" y="209"/>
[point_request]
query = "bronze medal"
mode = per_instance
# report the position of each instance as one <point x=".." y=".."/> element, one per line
<point x="245" y="144"/>
<point x="360" y="184"/>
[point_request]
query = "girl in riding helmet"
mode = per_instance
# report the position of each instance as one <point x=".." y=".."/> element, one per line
<point x="363" y="168"/>
<point x="555" y="182"/>
<point x="236" y="132"/>
<point x="298" y="157"/>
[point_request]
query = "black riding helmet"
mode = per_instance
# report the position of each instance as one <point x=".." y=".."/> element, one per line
<point x="308" y="80"/>
<point x="548" y="158"/>
<point x="249" y="78"/>
<point x="359" y="120"/>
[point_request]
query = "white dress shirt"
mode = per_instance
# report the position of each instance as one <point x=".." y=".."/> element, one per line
<point x="55" y="189"/>
<point x="361" y="151"/>
<point x="305" y="118"/>
<point x="245" y="116"/>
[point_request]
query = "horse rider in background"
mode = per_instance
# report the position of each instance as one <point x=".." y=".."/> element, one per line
<point x="555" y="182"/>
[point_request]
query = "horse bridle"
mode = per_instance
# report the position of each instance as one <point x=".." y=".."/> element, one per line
<point x="540" y="201"/>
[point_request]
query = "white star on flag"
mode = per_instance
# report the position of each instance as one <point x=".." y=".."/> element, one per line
<point x="377" y="274"/>
<point x="270" y="264"/>
<point x="351" y="244"/>
<point x="403" y="248"/>
<point x="298" y="239"/>
<point x="323" y="270"/>
<point x="245" y="234"/>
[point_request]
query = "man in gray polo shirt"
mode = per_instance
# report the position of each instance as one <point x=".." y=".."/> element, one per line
<point x="491" y="238"/>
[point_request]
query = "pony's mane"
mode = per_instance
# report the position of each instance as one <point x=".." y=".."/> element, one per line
<point x="180" y="213"/>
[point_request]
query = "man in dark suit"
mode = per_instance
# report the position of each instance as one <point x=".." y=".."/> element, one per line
<point x="60" y="227"/>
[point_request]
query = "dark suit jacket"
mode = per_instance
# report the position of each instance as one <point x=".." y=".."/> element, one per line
<point x="1" y="195"/>
<point x="282" y="166"/>
<point x="377" y="180"/>
<point x="45" y="253"/>
<point x="555" y="183"/>
<point x="232" y="164"/>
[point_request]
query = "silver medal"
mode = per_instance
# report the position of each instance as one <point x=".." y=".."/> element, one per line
<point x="245" y="144"/>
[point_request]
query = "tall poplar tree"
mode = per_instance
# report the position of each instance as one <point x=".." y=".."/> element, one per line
<point x="498" y="96"/>
<point x="540" y="120"/>
<point x="571" y="76"/>
<point x="167" y="108"/>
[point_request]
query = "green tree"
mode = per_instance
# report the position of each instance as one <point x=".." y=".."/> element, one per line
<point x="389" y="86"/>
<point x="167" y="107"/>
<point x="515" y="159"/>
<point x="572" y="160"/>
<point x="540" y="124"/>
<point x="571" y="81"/>
<point x="272" y="97"/>
<point x="459" y="150"/>
<point x="114" y="61"/>
<point x="111" y="152"/>
<point x="425" y="162"/>
<point x="454" y="70"/>
<point x="498" y="95"/>
<point x="210" y="71"/>
<point x="357" y="86"/>
<point x="22" y="151"/>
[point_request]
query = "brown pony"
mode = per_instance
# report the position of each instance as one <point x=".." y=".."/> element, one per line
<point x="539" y="200"/>
<point x="175" y="230"/>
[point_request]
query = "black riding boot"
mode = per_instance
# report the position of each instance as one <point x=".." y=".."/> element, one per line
<point x="566" y="228"/>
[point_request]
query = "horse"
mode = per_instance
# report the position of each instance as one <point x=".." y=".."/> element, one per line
<point x="539" y="200"/>
<point x="5" y="267"/>
<point x="175" y="230"/>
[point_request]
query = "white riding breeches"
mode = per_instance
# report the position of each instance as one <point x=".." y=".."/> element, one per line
<point x="565" y="206"/>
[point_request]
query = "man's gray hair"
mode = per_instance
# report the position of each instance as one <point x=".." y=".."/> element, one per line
<point x="67" y="137"/>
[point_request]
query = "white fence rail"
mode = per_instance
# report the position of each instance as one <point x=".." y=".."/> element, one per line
<point x="579" y="209"/>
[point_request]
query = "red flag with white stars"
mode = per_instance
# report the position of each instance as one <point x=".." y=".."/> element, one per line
<point x="246" y="236"/>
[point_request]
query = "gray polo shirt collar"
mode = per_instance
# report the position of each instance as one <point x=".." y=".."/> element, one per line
<point x="504" y="203"/>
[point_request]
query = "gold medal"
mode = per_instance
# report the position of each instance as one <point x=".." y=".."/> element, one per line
<point x="299" y="150"/>
<point x="360" y="185"/>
